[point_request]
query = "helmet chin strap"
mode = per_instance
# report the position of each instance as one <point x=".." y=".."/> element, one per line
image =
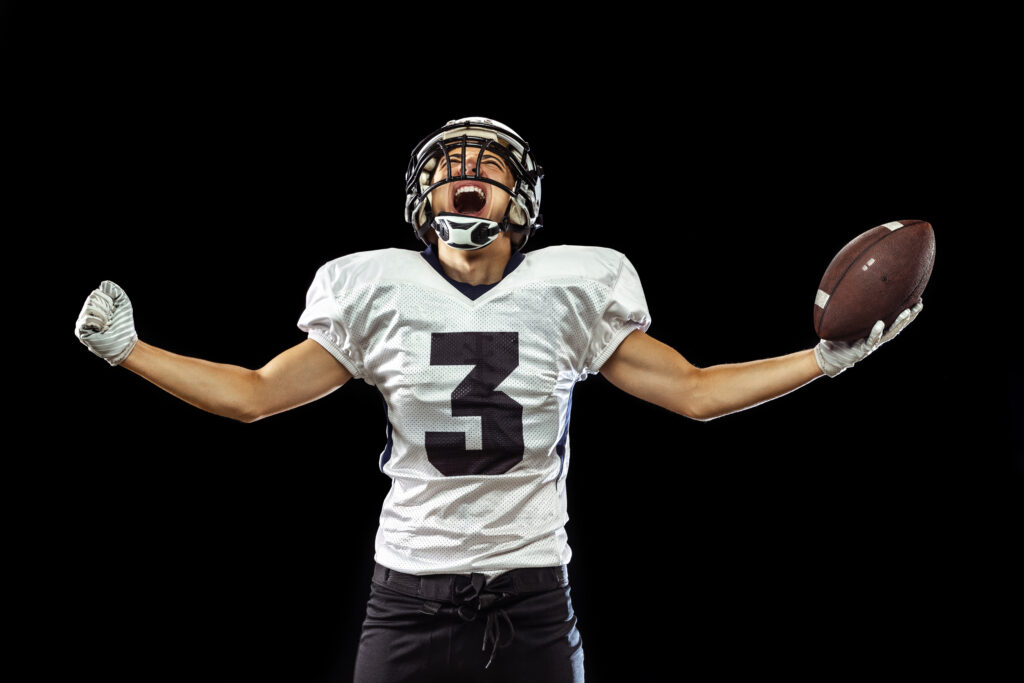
<point x="465" y="232"/>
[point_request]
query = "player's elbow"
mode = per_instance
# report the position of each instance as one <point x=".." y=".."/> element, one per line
<point x="698" y="413"/>
<point x="692" y="410"/>
<point x="249" y="404"/>
<point x="707" y="416"/>
<point x="241" y="413"/>
<point x="248" y="418"/>
<point x="695" y="399"/>
<point x="232" y="411"/>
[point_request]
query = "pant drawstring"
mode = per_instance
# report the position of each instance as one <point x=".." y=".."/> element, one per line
<point x="492" y="632"/>
<point x="495" y="617"/>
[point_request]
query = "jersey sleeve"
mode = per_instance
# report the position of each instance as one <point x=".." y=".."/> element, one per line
<point x="335" y="305"/>
<point x="625" y="311"/>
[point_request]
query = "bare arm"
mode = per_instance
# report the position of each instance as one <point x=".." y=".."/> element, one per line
<point x="297" y="376"/>
<point x="655" y="372"/>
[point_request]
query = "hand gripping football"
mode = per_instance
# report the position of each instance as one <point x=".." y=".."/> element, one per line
<point x="877" y="276"/>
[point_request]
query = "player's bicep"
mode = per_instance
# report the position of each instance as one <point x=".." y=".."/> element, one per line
<point x="303" y="373"/>
<point x="646" y="368"/>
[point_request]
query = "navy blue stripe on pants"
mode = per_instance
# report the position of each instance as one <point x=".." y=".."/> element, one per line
<point x="520" y="626"/>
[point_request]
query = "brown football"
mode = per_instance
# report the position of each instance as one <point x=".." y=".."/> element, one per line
<point x="875" y="277"/>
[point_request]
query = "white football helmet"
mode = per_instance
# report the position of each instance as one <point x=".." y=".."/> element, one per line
<point x="522" y="216"/>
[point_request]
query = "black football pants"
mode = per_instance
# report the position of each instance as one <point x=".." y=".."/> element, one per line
<point x="518" y="627"/>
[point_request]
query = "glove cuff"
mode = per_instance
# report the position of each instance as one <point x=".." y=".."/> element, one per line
<point x="828" y="368"/>
<point x="119" y="358"/>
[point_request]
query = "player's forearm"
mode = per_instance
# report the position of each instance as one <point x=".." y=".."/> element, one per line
<point x="226" y="390"/>
<point x="728" y="388"/>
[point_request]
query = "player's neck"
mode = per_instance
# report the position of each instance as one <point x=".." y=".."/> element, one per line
<point x="478" y="267"/>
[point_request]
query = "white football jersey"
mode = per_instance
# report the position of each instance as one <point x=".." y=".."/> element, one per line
<point x="478" y="394"/>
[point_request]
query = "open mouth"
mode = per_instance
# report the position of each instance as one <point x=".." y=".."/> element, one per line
<point x="469" y="199"/>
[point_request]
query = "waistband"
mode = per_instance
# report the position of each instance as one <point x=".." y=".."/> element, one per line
<point x="452" y="588"/>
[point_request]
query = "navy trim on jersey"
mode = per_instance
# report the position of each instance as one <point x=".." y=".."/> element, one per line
<point x="560" y="446"/>
<point x="473" y="292"/>
<point x="386" y="453"/>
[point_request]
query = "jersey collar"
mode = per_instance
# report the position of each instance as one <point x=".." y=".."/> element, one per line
<point x="473" y="292"/>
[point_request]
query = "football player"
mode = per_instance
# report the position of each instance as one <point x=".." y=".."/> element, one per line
<point x="475" y="346"/>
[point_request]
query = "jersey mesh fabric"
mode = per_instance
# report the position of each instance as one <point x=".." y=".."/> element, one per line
<point x="477" y="393"/>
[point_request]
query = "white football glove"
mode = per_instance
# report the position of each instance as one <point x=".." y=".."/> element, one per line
<point x="834" y="356"/>
<point x="106" y="324"/>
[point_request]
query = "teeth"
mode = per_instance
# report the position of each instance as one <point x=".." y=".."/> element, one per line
<point x="470" y="188"/>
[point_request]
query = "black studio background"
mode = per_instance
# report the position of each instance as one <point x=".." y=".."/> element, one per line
<point x="209" y="162"/>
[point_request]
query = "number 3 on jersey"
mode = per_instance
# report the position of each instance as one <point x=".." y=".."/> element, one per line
<point x="493" y="355"/>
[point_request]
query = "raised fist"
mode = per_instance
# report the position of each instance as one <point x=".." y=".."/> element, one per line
<point x="106" y="324"/>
